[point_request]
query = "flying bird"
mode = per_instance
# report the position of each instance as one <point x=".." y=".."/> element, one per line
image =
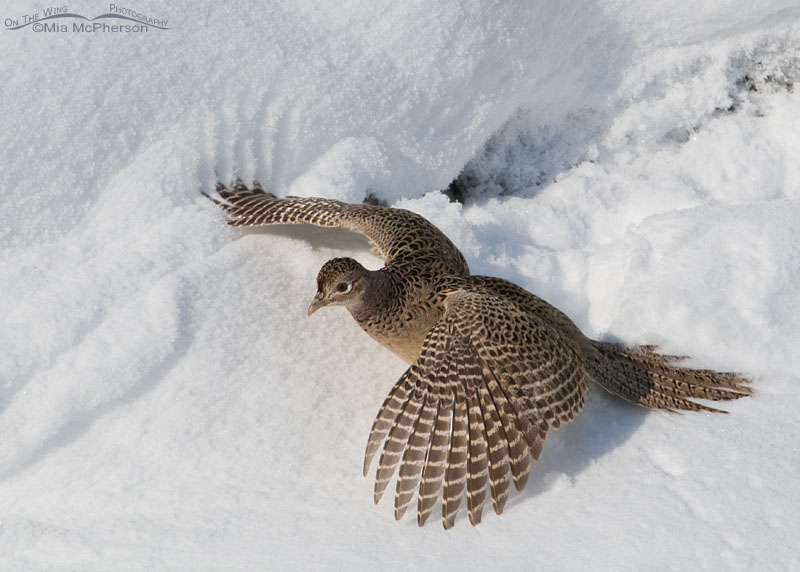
<point x="492" y="367"/>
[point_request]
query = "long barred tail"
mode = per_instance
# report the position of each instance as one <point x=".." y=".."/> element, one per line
<point x="642" y="376"/>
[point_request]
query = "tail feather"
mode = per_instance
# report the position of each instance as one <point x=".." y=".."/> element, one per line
<point x="643" y="376"/>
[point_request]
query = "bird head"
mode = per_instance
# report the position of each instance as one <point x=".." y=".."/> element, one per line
<point x="340" y="282"/>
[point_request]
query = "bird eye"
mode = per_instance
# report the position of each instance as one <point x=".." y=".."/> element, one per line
<point x="343" y="287"/>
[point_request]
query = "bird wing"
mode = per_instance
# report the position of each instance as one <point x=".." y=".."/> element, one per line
<point x="490" y="381"/>
<point x="399" y="235"/>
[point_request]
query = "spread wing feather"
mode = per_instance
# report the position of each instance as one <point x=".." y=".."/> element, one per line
<point x="399" y="235"/>
<point x="396" y="443"/>
<point x="435" y="463"/>
<point x="478" y="400"/>
<point x="456" y="471"/>
<point x="497" y="448"/>
<point x="414" y="456"/>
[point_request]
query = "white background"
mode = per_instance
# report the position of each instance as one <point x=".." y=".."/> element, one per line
<point x="165" y="403"/>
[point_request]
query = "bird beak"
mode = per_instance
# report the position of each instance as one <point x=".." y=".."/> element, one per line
<point x="317" y="303"/>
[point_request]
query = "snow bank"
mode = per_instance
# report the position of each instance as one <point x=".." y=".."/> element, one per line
<point x="166" y="404"/>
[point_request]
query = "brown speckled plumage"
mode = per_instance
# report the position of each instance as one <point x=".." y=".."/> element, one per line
<point x="492" y="367"/>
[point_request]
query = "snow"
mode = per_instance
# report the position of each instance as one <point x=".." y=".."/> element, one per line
<point x="165" y="403"/>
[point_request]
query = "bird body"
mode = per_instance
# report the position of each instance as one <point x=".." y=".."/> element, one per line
<point x="398" y="307"/>
<point x="492" y="367"/>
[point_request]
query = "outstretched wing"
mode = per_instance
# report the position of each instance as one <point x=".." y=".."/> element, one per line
<point x="399" y="235"/>
<point x="490" y="381"/>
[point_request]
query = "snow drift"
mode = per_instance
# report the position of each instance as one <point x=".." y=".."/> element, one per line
<point x="164" y="401"/>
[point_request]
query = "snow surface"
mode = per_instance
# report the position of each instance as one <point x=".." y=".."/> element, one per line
<point x="165" y="404"/>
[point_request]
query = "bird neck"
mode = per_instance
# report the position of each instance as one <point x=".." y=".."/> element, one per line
<point x="377" y="291"/>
